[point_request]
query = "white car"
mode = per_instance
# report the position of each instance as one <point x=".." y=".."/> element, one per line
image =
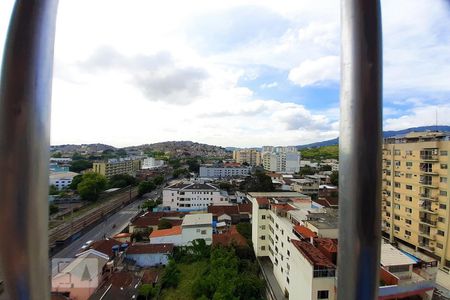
<point x="87" y="244"/>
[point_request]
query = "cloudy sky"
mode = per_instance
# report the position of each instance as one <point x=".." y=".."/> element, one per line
<point x="232" y="73"/>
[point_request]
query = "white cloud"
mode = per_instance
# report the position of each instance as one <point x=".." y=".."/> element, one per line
<point x="269" y="85"/>
<point x="311" y="72"/>
<point x="420" y="116"/>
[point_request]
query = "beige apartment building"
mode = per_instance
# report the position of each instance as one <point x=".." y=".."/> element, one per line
<point x="250" y="156"/>
<point x="117" y="166"/>
<point x="415" y="187"/>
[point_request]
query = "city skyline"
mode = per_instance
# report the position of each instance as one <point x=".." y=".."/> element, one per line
<point x="232" y="74"/>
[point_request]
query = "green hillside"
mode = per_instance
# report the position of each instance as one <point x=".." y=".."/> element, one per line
<point x="319" y="153"/>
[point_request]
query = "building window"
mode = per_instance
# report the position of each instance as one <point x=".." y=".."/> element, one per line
<point x="397" y="163"/>
<point x="408" y="175"/>
<point x="409" y="187"/>
<point x="287" y="279"/>
<point x="408" y="152"/>
<point x="444" y="166"/>
<point x="288" y="253"/>
<point x="444" y="153"/>
<point x="397" y="152"/>
<point x="263" y="248"/>
<point x="397" y="174"/>
<point x="397" y="206"/>
<point x="443" y="179"/>
<point x="396" y="195"/>
<point x="408" y="210"/>
<point x="441" y="219"/>
<point x="407" y="233"/>
<point x="203" y="232"/>
<point x="263" y="237"/>
<point x="408" y="221"/>
<point x="408" y="198"/>
<point x="388" y="214"/>
<point x="442" y="206"/>
<point x="409" y="163"/>
<point x="396" y="228"/>
<point x="441" y="232"/>
<point x="439" y="245"/>
<point x="397" y="184"/>
<point x="263" y="227"/>
<point x="443" y="193"/>
<point x="263" y="217"/>
<point x="322" y="295"/>
<point x="397" y="217"/>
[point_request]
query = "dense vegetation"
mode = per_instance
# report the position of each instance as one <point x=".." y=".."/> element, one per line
<point x="259" y="182"/>
<point x="319" y="153"/>
<point x="217" y="273"/>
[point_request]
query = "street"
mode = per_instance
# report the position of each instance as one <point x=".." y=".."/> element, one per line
<point x="120" y="219"/>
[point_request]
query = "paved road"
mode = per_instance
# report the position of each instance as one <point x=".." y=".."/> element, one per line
<point x="120" y="218"/>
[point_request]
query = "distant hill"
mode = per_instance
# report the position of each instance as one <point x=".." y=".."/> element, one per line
<point x="385" y="135"/>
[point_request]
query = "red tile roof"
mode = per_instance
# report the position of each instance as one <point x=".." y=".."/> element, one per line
<point x="149" y="248"/>
<point x="104" y="246"/>
<point x="218" y="210"/>
<point x="121" y="279"/>
<point x="283" y="207"/>
<point x="245" y="208"/>
<point x="229" y="238"/>
<point x="262" y="201"/>
<point x="175" y="230"/>
<point x="329" y="245"/>
<point x="304" y="231"/>
<point x="312" y="254"/>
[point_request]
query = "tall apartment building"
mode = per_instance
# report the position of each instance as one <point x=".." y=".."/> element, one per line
<point x="186" y="196"/>
<point x="250" y="156"/>
<point x="415" y="187"/>
<point x="282" y="232"/>
<point x="281" y="159"/>
<point x="113" y="167"/>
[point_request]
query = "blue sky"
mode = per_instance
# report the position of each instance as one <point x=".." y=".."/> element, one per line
<point x="237" y="73"/>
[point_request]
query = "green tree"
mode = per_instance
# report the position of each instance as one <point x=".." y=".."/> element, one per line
<point x="53" y="190"/>
<point x="171" y="276"/>
<point x="121" y="180"/>
<point x="149" y="205"/>
<point x="80" y="165"/>
<point x="245" y="229"/>
<point x="164" y="224"/>
<point x="259" y="182"/>
<point x="121" y="153"/>
<point x="91" y="185"/>
<point x="180" y="171"/>
<point x="57" y="155"/>
<point x="75" y="181"/>
<point x="53" y="209"/>
<point x="77" y="156"/>
<point x="334" y="178"/>
<point x="307" y="170"/>
<point x="325" y="168"/>
<point x="145" y="187"/>
<point x="193" y="164"/>
<point x="158" y="180"/>
<point x="147" y="290"/>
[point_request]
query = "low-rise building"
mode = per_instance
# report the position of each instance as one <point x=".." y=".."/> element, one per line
<point x="188" y="196"/>
<point x="171" y="235"/>
<point x="197" y="226"/>
<point x="61" y="180"/>
<point x="222" y="171"/>
<point x="149" y="255"/>
<point x="305" y="186"/>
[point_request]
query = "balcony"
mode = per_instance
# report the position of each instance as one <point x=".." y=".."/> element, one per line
<point x="428" y="221"/>
<point x="428" y="196"/>
<point x="429" y="155"/>
<point x="427" y="234"/>
<point x="426" y="247"/>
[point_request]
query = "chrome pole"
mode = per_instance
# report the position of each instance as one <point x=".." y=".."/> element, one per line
<point x="25" y="93"/>
<point x="360" y="150"/>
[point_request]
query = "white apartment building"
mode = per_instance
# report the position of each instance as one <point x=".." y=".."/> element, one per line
<point x="186" y="196"/>
<point x="151" y="163"/>
<point x="61" y="180"/>
<point x="281" y="159"/>
<point x="210" y="171"/>
<point x="300" y="269"/>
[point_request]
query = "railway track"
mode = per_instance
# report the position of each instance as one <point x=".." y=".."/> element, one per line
<point x="64" y="231"/>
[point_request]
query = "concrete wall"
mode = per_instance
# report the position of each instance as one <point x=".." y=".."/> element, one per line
<point x="197" y="232"/>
